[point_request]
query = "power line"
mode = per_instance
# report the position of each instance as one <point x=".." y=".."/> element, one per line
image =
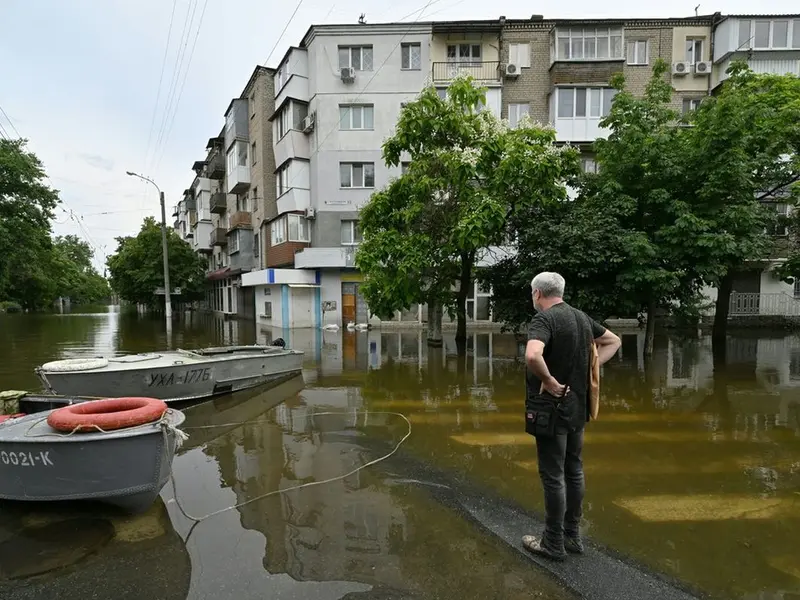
<point x="280" y="37"/>
<point x="183" y="82"/>
<point x="187" y="28"/>
<point x="160" y="80"/>
<point x="10" y="122"/>
<point x="375" y="74"/>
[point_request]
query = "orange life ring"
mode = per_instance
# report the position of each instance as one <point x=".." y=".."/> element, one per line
<point x="108" y="414"/>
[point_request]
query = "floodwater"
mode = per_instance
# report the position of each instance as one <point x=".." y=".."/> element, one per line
<point x="693" y="471"/>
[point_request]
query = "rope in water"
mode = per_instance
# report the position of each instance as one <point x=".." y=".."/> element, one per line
<point x="303" y="485"/>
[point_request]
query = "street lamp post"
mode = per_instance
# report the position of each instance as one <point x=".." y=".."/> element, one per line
<point x="167" y="289"/>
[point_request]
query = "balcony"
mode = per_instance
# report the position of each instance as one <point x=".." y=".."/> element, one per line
<point x="218" y="237"/>
<point x="238" y="180"/>
<point x="319" y="258"/>
<point x="216" y="166"/>
<point x="294" y="199"/>
<point x="294" y="144"/>
<point x="192" y="219"/>
<point x="241" y="219"/>
<point x="175" y="211"/>
<point x="219" y="203"/>
<point x="483" y="72"/>
<point x="191" y="203"/>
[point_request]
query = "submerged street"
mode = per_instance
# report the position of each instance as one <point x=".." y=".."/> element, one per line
<point x="692" y="474"/>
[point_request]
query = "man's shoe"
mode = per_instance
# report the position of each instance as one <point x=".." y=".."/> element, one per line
<point x="536" y="546"/>
<point x="573" y="544"/>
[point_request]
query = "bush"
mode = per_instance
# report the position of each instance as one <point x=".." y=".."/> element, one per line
<point x="10" y="307"/>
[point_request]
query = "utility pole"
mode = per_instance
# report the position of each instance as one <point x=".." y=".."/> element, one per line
<point x="164" y="249"/>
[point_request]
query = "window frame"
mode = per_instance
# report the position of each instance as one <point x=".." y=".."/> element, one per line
<point x="694" y="41"/>
<point x="513" y="122"/>
<point x="356" y="236"/>
<point x="361" y="48"/>
<point x="302" y="227"/>
<point x="233" y="242"/>
<point x="470" y="61"/>
<point x="609" y="34"/>
<point x="692" y="103"/>
<point x="516" y="51"/>
<point x="365" y="166"/>
<point x="406" y="49"/>
<point x="588" y="101"/>
<point x="635" y="44"/>
<point x="277" y="232"/>
<point x="282" y="173"/>
<point x="350" y="108"/>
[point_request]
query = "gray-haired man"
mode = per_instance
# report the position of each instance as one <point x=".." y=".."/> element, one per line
<point x="558" y="359"/>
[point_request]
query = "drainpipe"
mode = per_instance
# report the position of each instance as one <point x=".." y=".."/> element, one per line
<point x="716" y="19"/>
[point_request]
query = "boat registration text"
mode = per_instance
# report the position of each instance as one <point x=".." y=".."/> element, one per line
<point x="180" y="378"/>
<point x="26" y="459"/>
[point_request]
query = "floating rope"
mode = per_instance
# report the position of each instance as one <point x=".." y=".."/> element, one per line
<point x="198" y="520"/>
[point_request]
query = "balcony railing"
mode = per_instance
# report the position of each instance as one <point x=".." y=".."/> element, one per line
<point x="192" y="219"/>
<point x="480" y="71"/>
<point x="216" y="166"/>
<point x="240" y="219"/>
<point x="191" y="203"/>
<point x="774" y="305"/>
<point x="218" y="237"/>
<point x="219" y="203"/>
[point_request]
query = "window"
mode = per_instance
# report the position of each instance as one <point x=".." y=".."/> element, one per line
<point x="284" y="121"/>
<point x="278" y="231"/>
<point x="358" y="57"/>
<point x="233" y="242"/>
<point x="267" y="310"/>
<point x="282" y="180"/>
<point x="252" y="104"/>
<point x="694" y="50"/>
<point x="744" y="35"/>
<point x="256" y="247"/>
<point x="404" y="166"/>
<point x="298" y="229"/>
<point x="519" y="54"/>
<point x="237" y="156"/>
<point x="254" y="196"/>
<point x="242" y="204"/>
<point x="601" y="43"/>
<point x="796" y="33"/>
<point x="411" y="56"/>
<point x="516" y="112"/>
<point x="780" y="34"/>
<point x="357" y="175"/>
<point x="351" y="233"/>
<point x="580" y="103"/>
<point x="352" y="116"/>
<point x="779" y="228"/>
<point x="690" y="104"/>
<point x="761" y="37"/>
<point x="464" y="53"/>
<point x="253" y="153"/>
<point x="637" y="52"/>
<point x="589" y="165"/>
<point x="281" y="77"/>
<point x="797" y="287"/>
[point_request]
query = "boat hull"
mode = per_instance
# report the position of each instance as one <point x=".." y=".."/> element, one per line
<point x="126" y="470"/>
<point x="191" y="380"/>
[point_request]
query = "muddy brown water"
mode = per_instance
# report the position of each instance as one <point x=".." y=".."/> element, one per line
<point x="692" y="471"/>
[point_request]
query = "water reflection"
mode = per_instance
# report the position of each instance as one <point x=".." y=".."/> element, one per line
<point x="693" y="467"/>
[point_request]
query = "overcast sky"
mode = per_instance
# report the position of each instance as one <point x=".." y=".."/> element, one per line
<point x="79" y="79"/>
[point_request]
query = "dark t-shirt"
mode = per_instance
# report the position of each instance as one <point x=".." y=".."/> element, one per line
<point x="566" y="333"/>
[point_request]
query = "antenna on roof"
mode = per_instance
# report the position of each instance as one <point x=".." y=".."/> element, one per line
<point x="695" y="10"/>
<point x="362" y="20"/>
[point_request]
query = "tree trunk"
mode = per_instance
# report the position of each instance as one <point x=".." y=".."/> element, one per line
<point x="465" y="280"/>
<point x="650" y="330"/>
<point x="722" y="309"/>
<point x="434" y="324"/>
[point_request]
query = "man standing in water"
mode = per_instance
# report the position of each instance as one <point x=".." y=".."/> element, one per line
<point x="558" y="361"/>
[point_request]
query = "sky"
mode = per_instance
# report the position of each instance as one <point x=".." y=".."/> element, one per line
<point x="80" y="80"/>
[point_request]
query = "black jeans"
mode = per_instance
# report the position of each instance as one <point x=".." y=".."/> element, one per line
<point x="561" y="471"/>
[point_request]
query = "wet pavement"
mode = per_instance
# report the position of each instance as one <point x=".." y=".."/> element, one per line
<point x="693" y="476"/>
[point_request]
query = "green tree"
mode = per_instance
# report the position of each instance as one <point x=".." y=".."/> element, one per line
<point x="26" y="208"/>
<point x="137" y="269"/>
<point x="744" y="148"/>
<point x="75" y="276"/>
<point x="469" y="174"/>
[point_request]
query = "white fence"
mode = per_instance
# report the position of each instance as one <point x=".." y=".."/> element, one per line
<point x="778" y="304"/>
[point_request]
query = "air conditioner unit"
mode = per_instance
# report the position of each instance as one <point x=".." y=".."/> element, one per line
<point x="348" y="74"/>
<point x="511" y="71"/>
<point x="680" y="68"/>
<point x="310" y="213"/>
<point x="702" y="68"/>
<point x="308" y="123"/>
